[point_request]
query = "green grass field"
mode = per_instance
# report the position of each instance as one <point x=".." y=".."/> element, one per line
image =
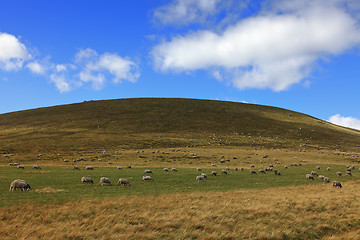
<point x="62" y="184"/>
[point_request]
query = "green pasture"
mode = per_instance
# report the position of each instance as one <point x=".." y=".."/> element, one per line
<point x="61" y="184"/>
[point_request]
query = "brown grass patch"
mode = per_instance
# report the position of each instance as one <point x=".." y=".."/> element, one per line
<point x="306" y="212"/>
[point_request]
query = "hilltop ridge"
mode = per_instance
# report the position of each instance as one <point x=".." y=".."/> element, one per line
<point x="167" y="122"/>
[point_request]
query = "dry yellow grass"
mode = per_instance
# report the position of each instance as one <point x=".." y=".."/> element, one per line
<point x="305" y="212"/>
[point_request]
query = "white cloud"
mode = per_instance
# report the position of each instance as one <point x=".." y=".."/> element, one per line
<point x="61" y="83"/>
<point x="269" y="50"/>
<point x="36" y="67"/>
<point x="349" y="122"/>
<point x="13" y="53"/>
<point x="186" y="11"/>
<point x="96" y="68"/>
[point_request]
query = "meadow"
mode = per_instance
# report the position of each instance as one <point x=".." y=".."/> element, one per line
<point x="186" y="134"/>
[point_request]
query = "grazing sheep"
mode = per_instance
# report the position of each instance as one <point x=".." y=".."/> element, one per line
<point x="174" y="169"/>
<point x="118" y="168"/>
<point x="252" y="166"/>
<point x="148" y="171"/>
<point x="253" y="172"/>
<point x="326" y="179"/>
<point x="204" y="175"/>
<point x="89" y="168"/>
<point x="76" y="168"/>
<point x="261" y="171"/>
<point x="213" y="165"/>
<point x="318" y="167"/>
<point x="123" y="181"/>
<point x="14" y="164"/>
<point x="36" y="167"/>
<point x="236" y="169"/>
<point x="128" y="166"/>
<point x="19" y="184"/>
<point x="348" y="173"/>
<point x="199" y="169"/>
<point x="270" y="165"/>
<point x="147" y="178"/>
<point x="86" y="180"/>
<point x="166" y="169"/>
<point x="309" y="176"/>
<point x="227" y="169"/>
<point x="213" y="173"/>
<point x="321" y="177"/>
<point x="328" y="168"/>
<point x="105" y="180"/>
<point x="285" y="167"/>
<point x="338" y="174"/>
<point x="336" y="184"/>
<point x="224" y="172"/>
<point x="200" y="178"/>
<point x="20" y="167"/>
<point x="314" y="173"/>
<point x="277" y="172"/>
<point x="242" y="169"/>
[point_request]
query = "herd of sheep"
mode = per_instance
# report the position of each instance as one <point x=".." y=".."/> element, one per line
<point x="24" y="186"/>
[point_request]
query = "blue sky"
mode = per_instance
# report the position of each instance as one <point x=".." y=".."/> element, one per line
<point x="299" y="55"/>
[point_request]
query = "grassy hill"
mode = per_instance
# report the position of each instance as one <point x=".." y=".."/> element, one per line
<point x="162" y="123"/>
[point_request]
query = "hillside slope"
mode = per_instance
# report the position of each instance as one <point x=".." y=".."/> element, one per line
<point x="154" y="122"/>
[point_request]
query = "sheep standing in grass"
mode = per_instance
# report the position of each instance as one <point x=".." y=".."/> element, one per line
<point x="199" y="169"/>
<point x="224" y="172"/>
<point x="261" y="171"/>
<point x="89" y="168"/>
<point x="204" y="175"/>
<point x="236" y="169"/>
<point x="336" y="184"/>
<point x="19" y="184"/>
<point x="252" y="172"/>
<point x="338" y="174"/>
<point x="36" y="167"/>
<point x="166" y="169"/>
<point x="118" y="168"/>
<point x="314" y="173"/>
<point x="213" y="173"/>
<point x="326" y="179"/>
<point x="147" y="171"/>
<point x="318" y="167"/>
<point x="105" y="181"/>
<point x="328" y="168"/>
<point x="174" y="169"/>
<point x="87" y="180"/>
<point x="321" y="177"/>
<point x="277" y="172"/>
<point x="76" y="168"/>
<point x="200" y="178"/>
<point x="309" y="176"/>
<point x="123" y="181"/>
<point x="348" y="173"/>
<point x="147" y="178"/>
<point x="20" y="167"/>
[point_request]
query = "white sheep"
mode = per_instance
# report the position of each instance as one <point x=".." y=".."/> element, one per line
<point x="336" y="184"/>
<point x="123" y="181"/>
<point x="309" y="176"/>
<point x="105" y="180"/>
<point x="147" y="178"/>
<point x="86" y="180"/>
<point x="147" y="171"/>
<point x="200" y="178"/>
<point x="18" y="183"/>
